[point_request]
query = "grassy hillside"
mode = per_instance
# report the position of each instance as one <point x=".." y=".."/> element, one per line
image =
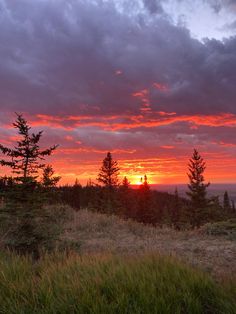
<point x="114" y="266"/>
<point x="98" y="233"/>
<point x="109" y="284"/>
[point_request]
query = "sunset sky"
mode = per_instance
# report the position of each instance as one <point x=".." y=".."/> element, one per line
<point x="148" y="80"/>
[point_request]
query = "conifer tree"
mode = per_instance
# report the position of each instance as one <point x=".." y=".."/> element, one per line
<point x="48" y="179"/>
<point x="233" y="207"/>
<point x="26" y="158"/>
<point x="198" y="189"/>
<point x="26" y="219"/>
<point x="125" y="184"/>
<point x="226" y="202"/>
<point x="175" y="213"/>
<point x="145" y="210"/>
<point x="126" y="199"/>
<point x="108" y="175"/>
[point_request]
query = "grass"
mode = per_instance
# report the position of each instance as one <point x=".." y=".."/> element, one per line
<point x="102" y="234"/>
<point x="109" y="284"/>
<point x="223" y="228"/>
<point x="118" y="269"/>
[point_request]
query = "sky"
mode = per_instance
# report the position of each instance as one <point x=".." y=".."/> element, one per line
<point x="147" y="80"/>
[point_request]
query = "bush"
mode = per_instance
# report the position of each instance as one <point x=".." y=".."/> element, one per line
<point x="30" y="227"/>
<point x="223" y="228"/>
<point x="109" y="284"/>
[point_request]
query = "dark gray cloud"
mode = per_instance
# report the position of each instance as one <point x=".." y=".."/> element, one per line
<point x="153" y="6"/>
<point x="218" y="5"/>
<point x="72" y="56"/>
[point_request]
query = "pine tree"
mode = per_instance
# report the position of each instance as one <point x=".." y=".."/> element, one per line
<point x="175" y="213"/>
<point x="233" y="207"/>
<point x="108" y="175"/>
<point x="29" y="224"/>
<point x="125" y="184"/>
<point x="26" y="158"/>
<point x="226" y="202"/>
<point x="48" y="179"/>
<point x="145" y="210"/>
<point x="126" y="200"/>
<point x="198" y="189"/>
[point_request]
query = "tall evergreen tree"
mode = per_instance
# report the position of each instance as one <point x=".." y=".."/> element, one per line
<point x="175" y="212"/>
<point x="26" y="158"/>
<point x="226" y="202"/>
<point x="108" y="175"/>
<point x="145" y="211"/>
<point x="198" y="189"/>
<point x="125" y="184"/>
<point x="233" y="207"/>
<point x="29" y="224"/>
<point x="126" y="200"/>
<point x="49" y="180"/>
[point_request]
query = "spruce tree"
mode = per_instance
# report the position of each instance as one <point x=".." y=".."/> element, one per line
<point x="226" y="203"/>
<point x="145" y="211"/>
<point x="49" y="180"/>
<point x="125" y="184"/>
<point x="233" y="207"/>
<point x="175" y="213"/>
<point x="26" y="158"/>
<point x="108" y="175"/>
<point x="29" y="225"/>
<point x="125" y="198"/>
<point x="198" y="189"/>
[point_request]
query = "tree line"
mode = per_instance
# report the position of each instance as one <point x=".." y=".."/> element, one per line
<point x="28" y="224"/>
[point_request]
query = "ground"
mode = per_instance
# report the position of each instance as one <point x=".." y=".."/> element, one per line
<point x="99" y="233"/>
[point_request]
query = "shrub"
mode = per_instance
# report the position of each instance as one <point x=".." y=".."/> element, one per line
<point x="223" y="228"/>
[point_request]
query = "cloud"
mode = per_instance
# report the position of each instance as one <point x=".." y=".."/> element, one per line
<point x="115" y="75"/>
<point x="153" y="6"/>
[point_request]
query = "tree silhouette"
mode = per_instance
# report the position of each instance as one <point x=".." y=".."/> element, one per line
<point x="48" y="179"/>
<point x="226" y="202"/>
<point x="197" y="187"/>
<point x="108" y="175"/>
<point x="26" y="158"/>
<point x="145" y="210"/>
<point x="125" y="184"/>
<point x="29" y="224"/>
<point x="175" y="212"/>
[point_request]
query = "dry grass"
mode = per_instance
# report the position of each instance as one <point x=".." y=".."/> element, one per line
<point x="98" y="233"/>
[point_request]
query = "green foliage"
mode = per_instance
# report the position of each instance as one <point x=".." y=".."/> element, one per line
<point x="222" y="228"/>
<point x="108" y="175"/>
<point x="106" y="284"/>
<point x="48" y="179"/>
<point x="197" y="189"/>
<point x="26" y="158"/>
<point x="27" y="223"/>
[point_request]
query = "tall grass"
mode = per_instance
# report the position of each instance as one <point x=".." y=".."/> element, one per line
<point x="109" y="284"/>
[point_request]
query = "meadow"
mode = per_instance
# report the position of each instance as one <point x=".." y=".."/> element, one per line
<point x="104" y="264"/>
<point x="62" y="283"/>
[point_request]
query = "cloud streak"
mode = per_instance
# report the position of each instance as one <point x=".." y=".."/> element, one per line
<point x="116" y="75"/>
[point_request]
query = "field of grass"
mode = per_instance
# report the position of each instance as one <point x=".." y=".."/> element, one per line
<point x="102" y="234"/>
<point x="223" y="228"/>
<point x="109" y="284"/>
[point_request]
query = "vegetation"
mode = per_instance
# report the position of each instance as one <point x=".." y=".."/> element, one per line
<point x="223" y="228"/>
<point x="108" y="174"/>
<point x="197" y="189"/>
<point x="26" y="221"/>
<point x="35" y="221"/>
<point x="109" y="284"/>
